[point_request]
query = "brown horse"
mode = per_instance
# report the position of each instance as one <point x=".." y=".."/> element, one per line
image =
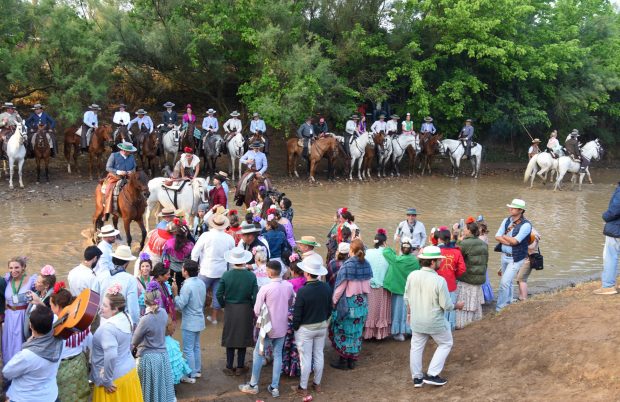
<point x="150" y="143"/>
<point x="72" y="148"/>
<point x="96" y="149"/>
<point x="187" y="138"/>
<point x="252" y="189"/>
<point x="326" y="147"/>
<point x="42" y="152"/>
<point x="121" y="135"/>
<point x="429" y="148"/>
<point x="131" y="205"/>
<point x="259" y="136"/>
<point x="369" y="154"/>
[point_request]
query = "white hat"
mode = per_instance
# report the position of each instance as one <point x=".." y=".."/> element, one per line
<point x="312" y="267"/>
<point x="431" y="253"/>
<point x="237" y="255"/>
<point x="344" y="248"/>
<point x="517" y="203"/>
<point x="108" y="231"/>
<point x="123" y="253"/>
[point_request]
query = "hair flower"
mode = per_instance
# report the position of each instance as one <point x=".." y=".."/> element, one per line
<point x="48" y="270"/>
<point x="342" y="210"/>
<point x="152" y="286"/>
<point x="271" y="217"/>
<point x="114" y="289"/>
<point x="294" y="257"/>
<point x="58" y="286"/>
<point x="382" y="231"/>
<point x="261" y="188"/>
<point x="145" y="257"/>
<point x="257" y="219"/>
<point x="176" y="221"/>
<point x="233" y="212"/>
<point x="167" y="264"/>
<point x="253" y="204"/>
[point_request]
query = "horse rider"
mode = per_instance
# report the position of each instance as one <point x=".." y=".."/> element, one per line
<point x="40" y="118"/>
<point x="553" y="145"/>
<point x="320" y="128"/>
<point x="534" y="149"/>
<point x="351" y="132"/>
<point x="143" y="121"/>
<point x="255" y="158"/>
<point x="392" y="125"/>
<point x="118" y="166"/>
<point x="573" y="150"/>
<point x="232" y="126"/>
<point x="121" y="118"/>
<point x="209" y="123"/>
<point x="90" y="122"/>
<point x="9" y="119"/>
<point x="379" y="125"/>
<point x="258" y="125"/>
<point x="428" y="126"/>
<point x="306" y="133"/>
<point x="188" y="164"/>
<point x="169" y="120"/>
<point x="407" y="125"/>
<point x="466" y="135"/>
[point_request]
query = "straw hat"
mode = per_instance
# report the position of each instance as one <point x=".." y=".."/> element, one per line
<point x="255" y="115"/>
<point x="354" y="117"/>
<point x="123" y="253"/>
<point x="431" y="253"/>
<point x="141" y="111"/>
<point x="166" y="212"/>
<point x="517" y="203"/>
<point x="428" y="119"/>
<point x="210" y="111"/>
<point x="256" y="144"/>
<point x="8" y="105"/>
<point x="395" y="116"/>
<point x="237" y="255"/>
<point x="37" y="106"/>
<point x="312" y="267"/>
<point x="536" y="141"/>
<point x="108" y="231"/>
<point x="308" y="241"/>
<point x="94" y="106"/>
<point x="219" y="221"/>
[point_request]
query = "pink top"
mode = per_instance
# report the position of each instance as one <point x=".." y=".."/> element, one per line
<point x="350" y="288"/>
<point x="188" y="119"/>
<point x="297" y="283"/>
<point x="278" y="296"/>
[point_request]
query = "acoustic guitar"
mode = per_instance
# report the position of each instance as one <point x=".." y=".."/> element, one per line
<point x="77" y="316"/>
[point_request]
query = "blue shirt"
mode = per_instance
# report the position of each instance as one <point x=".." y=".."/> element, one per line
<point x="118" y="161"/>
<point x="146" y="120"/>
<point x="526" y="228"/>
<point x="260" y="160"/>
<point x="428" y="128"/>
<point x="191" y="302"/>
<point x="90" y="119"/>
<point x="467" y="132"/>
<point x="34" y="120"/>
<point x="257" y="125"/>
<point x="210" y="121"/>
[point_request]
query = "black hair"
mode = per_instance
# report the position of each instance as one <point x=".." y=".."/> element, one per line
<point x="249" y="217"/>
<point x="119" y="262"/>
<point x="346" y="232"/>
<point x="91" y="252"/>
<point x="41" y="319"/>
<point x="380" y="239"/>
<point x="191" y="267"/>
<point x="159" y="269"/>
<point x="275" y="266"/>
<point x="348" y="216"/>
<point x="311" y="275"/>
<point x="445" y="236"/>
<point x="473" y="228"/>
<point x="426" y="262"/>
<point x="287" y="203"/>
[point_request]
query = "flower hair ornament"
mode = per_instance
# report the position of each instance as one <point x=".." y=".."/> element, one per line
<point x="176" y="221"/>
<point x="342" y="211"/>
<point x="382" y="231"/>
<point x="114" y="289"/>
<point x="167" y="264"/>
<point x="262" y="188"/>
<point x="48" y="270"/>
<point x="58" y="286"/>
<point x="258" y="249"/>
<point x="271" y="217"/>
<point x="154" y="287"/>
<point x="233" y="212"/>
<point x="253" y="204"/>
<point x="256" y="219"/>
<point x="145" y="257"/>
<point x="294" y="257"/>
<point x="272" y="211"/>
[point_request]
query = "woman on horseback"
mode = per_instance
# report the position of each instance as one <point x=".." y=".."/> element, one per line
<point x="189" y="116"/>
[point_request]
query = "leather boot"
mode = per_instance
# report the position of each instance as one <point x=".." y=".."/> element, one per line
<point x="341" y="364"/>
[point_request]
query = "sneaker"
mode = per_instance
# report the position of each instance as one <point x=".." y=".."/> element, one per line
<point x="248" y="388"/>
<point x="197" y="375"/>
<point x="399" y="338"/>
<point x="188" y="380"/>
<point x="214" y="322"/>
<point x="275" y="392"/>
<point x="606" y="291"/>
<point x="209" y="318"/>
<point x="434" y="380"/>
<point x="418" y="382"/>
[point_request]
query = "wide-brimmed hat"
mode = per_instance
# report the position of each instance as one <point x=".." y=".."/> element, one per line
<point x="127" y="146"/>
<point x="237" y="255"/>
<point x="255" y="114"/>
<point x="355" y="117"/>
<point x="37" y="106"/>
<point x="166" y="212"/>
<point x="141" y="111"/>
<point x="122" y="105"/>
<point x="394" y="116"/>
<point x="256" y="144"/>
<point x="221" y="178"/>
<point x="222" y="173"/>
<point x="108" y="231"/>
<point x="94" y="106"/>
<point x="123" y="253"/>
<point x="431" y="253"/>
<point x="412" y="211"/>
<point x="234" y="113"/>
<point x="535" y="141"/>
<point x="247" y="228"/>
<point x="308" y="241"/>
<point x="575" y="132"/>
<point x="169" y="104"/>
<point x="428" y="119"/>
<point x="468" y="120"/>
<point x="8" y="105"/>
<point x="517" y="203"/>
<point x="344" y="248"/>
<point x="312" y="267"/>
<point x="210" y="111"/>
<point x="219" y="221"/>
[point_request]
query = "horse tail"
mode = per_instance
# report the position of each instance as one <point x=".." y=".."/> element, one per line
<point x="531" y="168"/>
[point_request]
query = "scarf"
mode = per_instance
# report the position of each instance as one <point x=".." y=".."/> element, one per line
<point x="352" y="270"/>
<point x="47" y="346"/>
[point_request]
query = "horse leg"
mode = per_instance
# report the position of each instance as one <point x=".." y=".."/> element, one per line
<point x="589" y="177"/>
<point x="47" y="173"/>
<point x="38" y="162"/>
<point x="127" y="225"/>
<point x="11" y="163"/>
<point x="312" y="164"/>
<point x="90" y="165"/>
<point x="142" y="231"/>
<point x="20" y="165"/>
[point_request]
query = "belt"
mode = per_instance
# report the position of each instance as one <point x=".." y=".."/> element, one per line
<point x="16" y="308"/>
<point x="508" y="254"/>
<point x="71" y="357"/>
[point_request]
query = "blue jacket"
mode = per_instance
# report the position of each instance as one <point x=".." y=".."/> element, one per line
<point x="612" y="215"/>
<point x="116" y="161"/>
<point x="277" y="242"/>
<point x="33" y="121"/>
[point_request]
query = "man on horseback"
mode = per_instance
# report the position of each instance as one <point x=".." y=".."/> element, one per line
<point x="466" y="135"/>
<point x="40" y="118"/>
<point x="144" y="123"/>
<point x="121" y="118"/>
<point x="9" y="119"/>
<point x="379" y="125"/>
<point x="351" y="133"/>
<point x="321" y="127"/>
<point x="257" y="126"/>
<point x="119" y="165"/>
<point x="254" y="158"/>
<point x="533" y="150"/>
<point x="392" y="125"/>
<point x="169" y="120"/>
<point x="573" y="150"/>
<point x="428" y="126"/>
<point x="306" y="133"/>
<point x="90" y="122"/>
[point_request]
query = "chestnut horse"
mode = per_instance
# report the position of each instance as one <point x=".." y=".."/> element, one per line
<point x="252" y="189"/>
<point x="324" y="147"/>
<point x="130" y="207"/>
<point x="188" y="139"/>
<point x="150" y="143"/>
<point x="42" y="152"/>
<point x="369" y="155"/>
<point x="96" y="149"/>
<point x="430" y="146"/>
<point x="72" y="148"/>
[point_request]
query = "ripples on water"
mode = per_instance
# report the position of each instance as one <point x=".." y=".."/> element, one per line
<point x="569" y="221"/>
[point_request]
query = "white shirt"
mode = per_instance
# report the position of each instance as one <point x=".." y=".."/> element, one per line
<point x="121" y="116"/>
<point x="33" y="378"/>
<point x="105" y="261"/>
<point x="129" y="289"/>
<point x="80" y="278"/>
<point x="379" y="126"/>
<point x="194" y="162"/>
<point x="392" y="126"/>
<point x="209" y="251"/>
<point x="417" y="235"/>
<point x="351" y="126"/>
<point x="232" y="124"/>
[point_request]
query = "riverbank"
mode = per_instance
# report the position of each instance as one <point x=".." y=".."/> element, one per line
<point x="552" y="347"/>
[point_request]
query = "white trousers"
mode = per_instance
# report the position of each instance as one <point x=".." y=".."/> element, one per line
<point x="418" y="343"/>
<point x="310" y="345"/>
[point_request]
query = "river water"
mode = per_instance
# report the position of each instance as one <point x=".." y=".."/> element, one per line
<point x="569" y="221"/>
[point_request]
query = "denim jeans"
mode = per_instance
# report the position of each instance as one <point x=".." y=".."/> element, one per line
<point x="610" y="261"/>
<point x="214" y="284"/>
<point x="509" y="272"/>
<point x="257" y="365"/>
<point x="191" y="350"/>
<point x="451" y="314"/>
<point x="418" y="343"/>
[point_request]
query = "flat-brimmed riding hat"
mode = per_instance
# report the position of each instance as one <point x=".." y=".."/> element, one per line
<point x="428" y="119"/>
<point x="222" y="173"/>
<point x="355" y="117"/>
<point x="575" y="132"/>
<point x="412" y="211"/>
<point x="94" y="106"/>
<point x="8" y="105"/>
<point x="237" y="256"/>
<point x="166" y="212"/>
<point x="126" y="146"/>
<point x="123" y="253"/>
<point x="122" y="105"/>
<point x="257" y="144"/>
<point x="247" y="228"/>
<point x="108" y="231"/>
<point x="221" y="178"/>
<point x="308" y="241"/>
<point x="210" y="111"/>
<point x="37" y="106"/>
<point x="141" y="111"/>
<point x="535" y="141"/>
<point x="517" y="203"/>
<point x="255" y="114"/>
<point x="235" y="113"/>
<point x="312" y="267"/>
<point x="431" y="253"/>
<point x="219" y="221"/>
<point x="394" y="116"/>
<point x="468" y="121"/>
<point x="169" y="104"/>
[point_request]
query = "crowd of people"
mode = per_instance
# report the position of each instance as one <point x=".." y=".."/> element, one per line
<point x="279" y="297"/>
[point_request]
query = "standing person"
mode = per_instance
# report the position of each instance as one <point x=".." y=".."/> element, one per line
<point x="534" y="149"/>
<point x="306" y="245"/>
<point x="32" y="371"/>
<point x="400" y="266"/>
<point x="271" y="308"/>
<point x="450" y="268"/>
<point x="392" y="125"/>
<point x="217" y="195"/>
<point x="107" y="234"/>
<point x="612" y="245"/>
<point x="311" y="313"/>
<point x="154" y="368"/>
<point x="18" y="286"/>
<point x="113" y="369"/>
<point x="237" y="294"/>
<point x="144" y="278"/>
<point x="161" y="275"/>
<point x="250" y="239"/>
<point x="379" y="125"/>
<point x="487" y="288"/>
<point x="166" y="215"/>
<point x="234" y="229"/>
<point x="191" y="302"/>
<point x="351" y="306"/>
<point x="276" y="239"/>
<point x="379" y="321"/>
<point x="200" y="224"/>
<point x="466" y="135"/>
<point x="411" y="229"/>
<point x="90" y="122"/>
<point x="286" y="207"/>
<point x="513" y="236"/>
<point x="209" y="252"/>
<point x="306" y="133"/>
<point x="525" y="270"/>
<point x="334" y="265"/>
<point x="43" y="289"/>
<point x="119" y="275"/>
<point x="469" y="286"/>
<point x="427" y="298"/>
<point x="176" y="250"/>
<point x="83" y="276"/>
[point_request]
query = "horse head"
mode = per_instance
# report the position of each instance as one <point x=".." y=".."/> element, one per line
<point x="600" y="151"/>
<point x="139" y="182"/>
<point x="105" y="131"/>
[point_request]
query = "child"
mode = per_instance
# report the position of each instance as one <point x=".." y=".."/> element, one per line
<point x="200" y="223"/>
<point x="259" y="268"/>
<point x="298" y="280"/>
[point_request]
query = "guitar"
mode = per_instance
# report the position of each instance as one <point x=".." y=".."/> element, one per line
<point x="77" y="316"/>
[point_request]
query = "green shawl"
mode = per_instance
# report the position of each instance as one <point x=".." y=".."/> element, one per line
<point x="400" y="266"/>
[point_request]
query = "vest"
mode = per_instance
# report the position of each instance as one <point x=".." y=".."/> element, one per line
<point x="519" y="252"/>
<point x="121" y="163"/>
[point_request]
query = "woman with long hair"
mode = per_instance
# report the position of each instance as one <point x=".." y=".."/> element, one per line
<point x="144" y="278"/>
<point x="44" y="287"/>
<point x="469" y="285"/>
<point x="176" y="250"/>
<point x="161" y="274"/>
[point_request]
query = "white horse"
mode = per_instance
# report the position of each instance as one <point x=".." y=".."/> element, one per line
<point x="187" y="199"/>
<point x="540" y="164"/>
<point x="170" y="142"/>
<point x="358" y="149"/>
<point x="16" y="151"/>
<point x="235" y="151"/>
<point x="456" y="151"/>
<point x="384" y="156"/>
<point x="592" y="151"/>
<point x="400" y="144"/>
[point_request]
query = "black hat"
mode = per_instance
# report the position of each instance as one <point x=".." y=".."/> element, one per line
<point x="91" y="252"/>
<point x="221" y="178"/>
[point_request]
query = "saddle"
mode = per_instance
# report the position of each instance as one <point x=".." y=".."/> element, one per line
<point x="175" y="186"/>
<point x="110" y="198"/>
